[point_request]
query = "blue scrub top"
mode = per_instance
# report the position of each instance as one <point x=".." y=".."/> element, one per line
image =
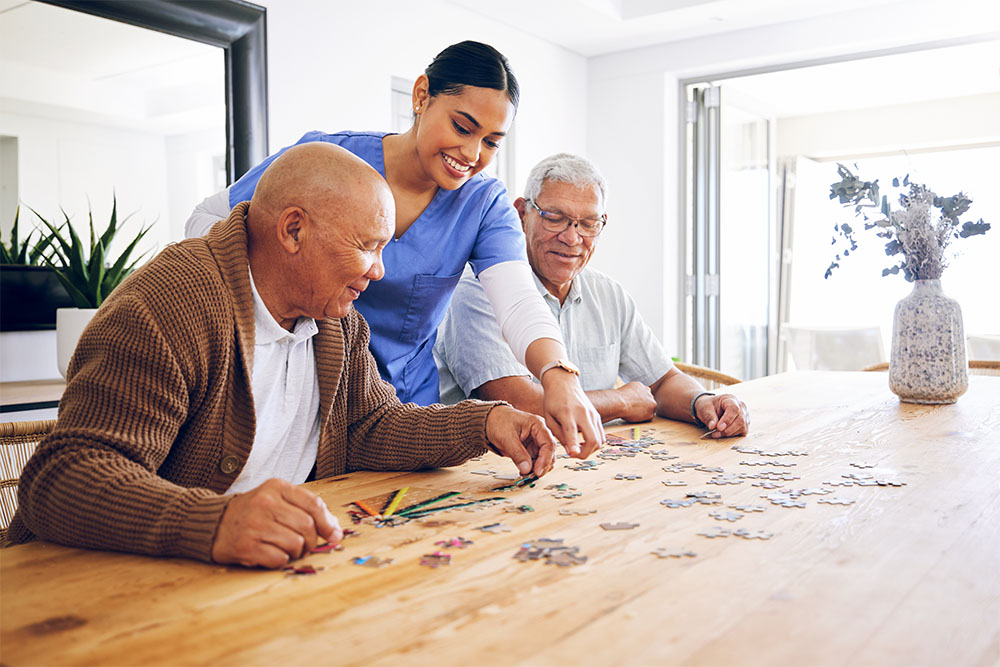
<point x="475" y="223"/>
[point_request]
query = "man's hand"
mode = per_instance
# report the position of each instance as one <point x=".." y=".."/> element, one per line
<point x="638" y="404"/>
<point x="725" y="413"/>
<point x="523" y="438"/>
<point x="568" y="411"/>
<point x="273" y="524"/>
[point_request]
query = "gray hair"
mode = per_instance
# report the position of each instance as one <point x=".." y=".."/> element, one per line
<point x="566" y="168"/>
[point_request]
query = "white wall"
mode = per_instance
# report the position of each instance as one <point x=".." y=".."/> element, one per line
<point x="623" y="102"/>
<point x="632" y="150"/>
<point x="330" y="67"/>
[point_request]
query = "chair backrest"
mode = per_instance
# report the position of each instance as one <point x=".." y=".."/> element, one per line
<point x="976" y="367"/>
<point x="983" y="347"/>
<point x="17" y="443"/>
<point x="712" y="379"/>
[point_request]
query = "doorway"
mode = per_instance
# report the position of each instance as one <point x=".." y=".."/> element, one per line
<point x="762" y="152"/>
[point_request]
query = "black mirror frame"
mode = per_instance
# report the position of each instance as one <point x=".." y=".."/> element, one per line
<point x="240" y="29"/>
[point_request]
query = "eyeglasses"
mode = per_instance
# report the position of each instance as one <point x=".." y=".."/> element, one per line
<point x="553" y="221"/>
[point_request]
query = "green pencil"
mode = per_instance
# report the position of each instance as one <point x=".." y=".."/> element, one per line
<point x="425" y="503"/>
<point x="416" y="515"/>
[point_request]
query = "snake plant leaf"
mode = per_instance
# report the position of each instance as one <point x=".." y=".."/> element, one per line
<point x="96" y="273"/>
<point x="86" y="275"/>
<point x="118" y="270"/>
<point x="80" y="299"/>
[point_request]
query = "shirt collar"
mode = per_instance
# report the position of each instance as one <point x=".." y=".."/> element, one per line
<point x="267" y="328"/>
<point x="574" y="295"/>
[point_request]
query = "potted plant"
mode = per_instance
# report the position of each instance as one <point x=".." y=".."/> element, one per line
<point x="30" y="293"/>
<point x="88" y="274"/>
<point x="927" y="363"/>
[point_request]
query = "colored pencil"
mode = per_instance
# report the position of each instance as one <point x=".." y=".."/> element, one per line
<point x="417" y="515"/>
<point x="368" y="510"/>
<point x="387" y="512"/>
<point x="425" y="503"/>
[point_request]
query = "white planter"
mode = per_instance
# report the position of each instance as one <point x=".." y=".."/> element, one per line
<point x="70" y="323"/>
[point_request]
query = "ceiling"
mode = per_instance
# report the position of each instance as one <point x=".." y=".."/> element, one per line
<point x="172" y="85"/>
<point x="597" y="27"/>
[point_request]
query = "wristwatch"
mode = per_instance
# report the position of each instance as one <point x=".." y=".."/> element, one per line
<point x="559" y="363"/>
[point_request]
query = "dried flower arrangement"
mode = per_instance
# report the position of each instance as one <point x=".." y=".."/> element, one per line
<point x="910" y="231"/>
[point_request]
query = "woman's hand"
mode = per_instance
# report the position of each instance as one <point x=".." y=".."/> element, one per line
<point x="523" y="438"/>
<point x="568" y="411"/>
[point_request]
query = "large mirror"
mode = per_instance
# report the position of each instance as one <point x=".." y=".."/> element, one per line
<point x="158" y="107"/>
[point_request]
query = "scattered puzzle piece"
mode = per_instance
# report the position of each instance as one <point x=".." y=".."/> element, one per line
<point x="716" y="531"/>
<point x="570" y="511"/>
<point x="495" y="528"/>
<point x="566" y="559"/>
<point x="371" y="561"/>
<point x="630" y="477"/>
<point x="619" y="526"/>
<point x="663" y="552"/>
<point x="456" y="542"/>
<point x="835" y="500"/>
<point x="725" y="516"/>
<point x="436" y="559"/>
<point x="749" y="508"/>
<point x="723" y="481"/>
<point x="674" y="482"/>
<point x="521" y="509"/>
<point x="753" y="535"/>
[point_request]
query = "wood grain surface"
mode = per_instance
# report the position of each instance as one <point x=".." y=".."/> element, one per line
<point x="906" y="575"/>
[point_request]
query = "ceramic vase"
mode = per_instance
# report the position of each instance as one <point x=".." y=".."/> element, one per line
<point x="927" y="363"/>
<point x="70" y="323"/>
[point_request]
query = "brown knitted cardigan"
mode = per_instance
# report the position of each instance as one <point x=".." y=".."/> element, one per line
<point x="157" y="419"/>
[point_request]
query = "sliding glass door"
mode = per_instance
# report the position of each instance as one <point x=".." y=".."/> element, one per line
<point x="730" y="234"/>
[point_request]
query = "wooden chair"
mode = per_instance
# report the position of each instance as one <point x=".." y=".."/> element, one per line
<point x="976" y="367"/>
<point x="17" y="443"/>
<point x="712" y="379"/>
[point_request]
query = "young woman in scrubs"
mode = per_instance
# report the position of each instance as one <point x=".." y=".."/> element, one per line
<point x="448" y="215"/>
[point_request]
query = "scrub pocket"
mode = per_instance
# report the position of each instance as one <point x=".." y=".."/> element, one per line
<point x="429" y="300"/>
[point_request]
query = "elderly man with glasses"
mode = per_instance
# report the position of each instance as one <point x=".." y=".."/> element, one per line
<point x="563" y="214"/>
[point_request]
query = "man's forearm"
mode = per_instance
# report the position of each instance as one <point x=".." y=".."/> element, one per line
<point x="673" y="394"/>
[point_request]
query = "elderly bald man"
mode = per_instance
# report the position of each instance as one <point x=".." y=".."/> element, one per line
<point x="233" y="367"/>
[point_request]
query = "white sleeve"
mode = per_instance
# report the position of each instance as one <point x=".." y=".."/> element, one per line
<point x="520" y="311"/>
<point x="207" y="213"/>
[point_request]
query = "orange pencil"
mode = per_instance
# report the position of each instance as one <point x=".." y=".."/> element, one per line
<point x="365" y="508"/>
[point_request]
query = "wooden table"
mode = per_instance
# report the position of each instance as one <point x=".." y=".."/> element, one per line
<point x="905" y="575"/>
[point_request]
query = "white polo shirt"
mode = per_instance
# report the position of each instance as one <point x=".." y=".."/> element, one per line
<point x="286" y="401"/>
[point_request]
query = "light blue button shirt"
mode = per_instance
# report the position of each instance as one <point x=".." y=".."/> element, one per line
<point x="603" y="331"/>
